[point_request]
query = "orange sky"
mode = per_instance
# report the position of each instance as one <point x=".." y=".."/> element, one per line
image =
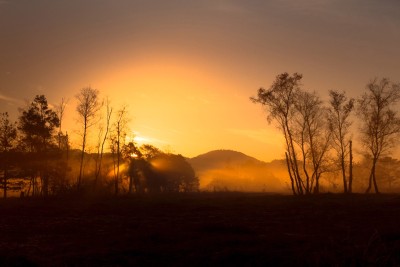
<point x="186" y="69"/>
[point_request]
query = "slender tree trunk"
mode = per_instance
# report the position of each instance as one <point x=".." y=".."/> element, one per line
<point x="308" y="189"/>
<point x="98" y="171"/>
<point x="118" y="162"/>
<point x="82" y="156"/>
<point x="369" y="183"/>
<point x="350" y="189"/>
<point x="372" y="177"/>
<point x="290" y="174"/>
<point x="296" y="168"/>
<point x="343" y="172"/>
<point x="316" y="188"/>
<point x="375" y="184"/>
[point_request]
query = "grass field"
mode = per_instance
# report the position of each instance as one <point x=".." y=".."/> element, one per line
<point x="205" y="229"/>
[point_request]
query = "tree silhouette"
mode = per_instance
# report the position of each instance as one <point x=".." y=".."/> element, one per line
<point x="60" y="110"/>
<point x="312" y="136"/>
<point x="87" y="108"/>
<point x="117" y="139"/>
<point x="8" y="135"/>
<point x="380" y="123"/>
<point x="37" y="125"/>
<point x="132" y="154"/>
<point x="102" y="138"/>
<point x="171" y="173"/>
<point x="279" y="102"/>
<point x="339" y="112"/>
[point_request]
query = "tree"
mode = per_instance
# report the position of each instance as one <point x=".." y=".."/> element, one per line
<point x="117" y="141"/>
<point x="171" y="173"/>
<point x="279" y="102"/>
<point x="37" y="125"/>
<point x="380" y="123"/>
<point x="101" y="142"/>
<point x="311" y="134"/>
<point x="8" y="134"/>
<point x="340" y="108"/>
<point x="135" y="159"/>
<point x="87" y="108"/>
<point x="60" y="108"/>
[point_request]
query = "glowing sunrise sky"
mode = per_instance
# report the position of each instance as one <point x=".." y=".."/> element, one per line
<point x="186" y="69"/>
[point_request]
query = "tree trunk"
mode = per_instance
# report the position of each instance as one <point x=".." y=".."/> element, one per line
<point x="290" y="174"/>
<point x="375" y="184"/>
<point x="372" y="177"/>
<point x="343" y="173"/>
<point x="118" y="161"/>
<point x="82" y="156"/>
<point x="350" y="189"/>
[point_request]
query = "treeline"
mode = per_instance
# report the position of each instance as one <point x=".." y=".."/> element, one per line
<point x="318" y="135"/>
<point x="36" y="152"/>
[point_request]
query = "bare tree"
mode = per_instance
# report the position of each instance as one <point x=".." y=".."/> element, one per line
<point x="279" y="102"/>
<point x="101" y="142"/>
<point x="60" y="108"/>
<point x="8" y="134"/>
<point x="339" y="123"/>
<point x="87" y="108"/>
<point x="117" y="141"/>
<point x="312" y="136"/>
<point x="380" y="123"/>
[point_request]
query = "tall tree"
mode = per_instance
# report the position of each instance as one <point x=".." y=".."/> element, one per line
<point x="60" y="110"/>
<point x="340" y="108"/>
<point x="37" y="125"/>
<point x="87" y="108"/>
<point x="279" y="102"/>
<point x="312" y="136"/>
<point x="380" y="122"/>
<point x="118" y="140"/>
<point x="133" y="156"/>
<point x="8" y="134"/>
<point x="102" y="138"/>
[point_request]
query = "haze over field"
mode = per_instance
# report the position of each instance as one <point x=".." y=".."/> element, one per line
<point x="187" y="68"/>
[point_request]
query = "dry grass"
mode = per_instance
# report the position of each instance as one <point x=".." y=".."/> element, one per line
<point x="207" y="229"/>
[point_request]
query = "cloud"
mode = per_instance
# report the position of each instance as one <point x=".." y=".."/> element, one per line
<point x="10" y="100"/>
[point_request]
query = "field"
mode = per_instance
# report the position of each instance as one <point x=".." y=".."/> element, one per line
<point x="205" y="229"/>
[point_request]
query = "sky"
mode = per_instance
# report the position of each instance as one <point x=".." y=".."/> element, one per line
<point x="186" y="69"/>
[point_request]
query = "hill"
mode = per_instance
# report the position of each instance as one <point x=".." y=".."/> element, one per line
<point x="228" y="170"/>
<point x="220" y="158"/>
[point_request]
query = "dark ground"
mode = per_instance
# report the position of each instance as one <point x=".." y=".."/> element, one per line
<point x="223" y="229"/>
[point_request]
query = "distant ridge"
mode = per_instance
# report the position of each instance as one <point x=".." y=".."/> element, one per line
<point x="222" y="157"/>
<point x="235" y="171"/>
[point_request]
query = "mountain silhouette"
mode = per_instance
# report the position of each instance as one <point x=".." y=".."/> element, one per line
<point x="229" y="170"/>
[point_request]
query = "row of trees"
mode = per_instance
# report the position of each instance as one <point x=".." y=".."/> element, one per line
<point x="36" y="148"/>
<point x="318" y="136"/>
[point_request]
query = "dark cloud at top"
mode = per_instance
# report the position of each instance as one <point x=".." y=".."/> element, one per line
<point x="45" y="41"/>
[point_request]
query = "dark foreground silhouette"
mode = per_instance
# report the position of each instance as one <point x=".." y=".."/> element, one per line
<point x="221" y="229"/>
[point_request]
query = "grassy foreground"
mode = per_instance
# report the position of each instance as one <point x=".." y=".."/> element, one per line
<point x="206" y="229"/>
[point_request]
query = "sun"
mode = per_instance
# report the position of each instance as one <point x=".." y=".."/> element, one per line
<point x="141" y="139"/>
